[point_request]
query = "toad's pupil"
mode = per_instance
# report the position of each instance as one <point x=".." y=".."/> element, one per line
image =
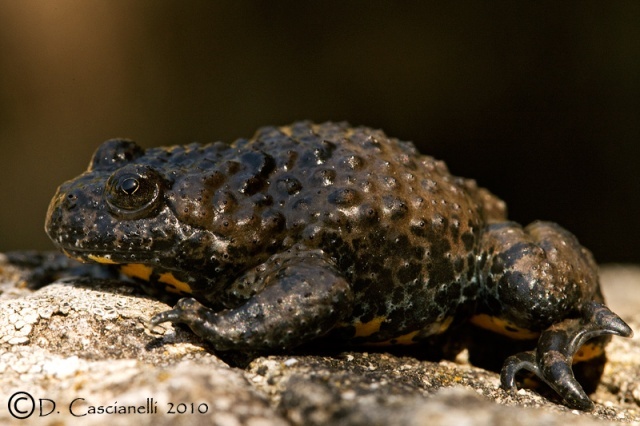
<point x="129" y="186"/>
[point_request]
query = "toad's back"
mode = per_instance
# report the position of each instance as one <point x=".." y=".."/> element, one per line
<point x="400" y="228"/>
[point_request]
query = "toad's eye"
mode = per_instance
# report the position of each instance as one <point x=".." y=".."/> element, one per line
<point x="133" y="192"/>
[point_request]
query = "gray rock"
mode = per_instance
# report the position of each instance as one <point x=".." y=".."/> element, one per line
<point x="85" y="338"/>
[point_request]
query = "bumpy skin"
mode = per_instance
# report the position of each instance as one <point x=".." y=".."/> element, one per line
<point x="328" y="230"/>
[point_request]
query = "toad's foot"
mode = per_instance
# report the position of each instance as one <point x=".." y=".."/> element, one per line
<point x="552" y="359"/>
<point x="302" y="297"/>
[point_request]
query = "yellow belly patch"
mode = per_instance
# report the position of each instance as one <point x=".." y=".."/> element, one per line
<point x="101" y="259"/>
<point x="144" y="272"/>
<point x="364" y="329"/>
<point x="504" y="327"/>
<point x="175" y="284"/>
<point x="409" y="338"/>
<point x="137" y="270"/>
<point x="587" y="352"/>
<point x="405" y="339"/>
<point x="438" y="328"/>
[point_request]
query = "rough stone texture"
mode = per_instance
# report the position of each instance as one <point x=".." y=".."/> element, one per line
<point x="88" y="339"/>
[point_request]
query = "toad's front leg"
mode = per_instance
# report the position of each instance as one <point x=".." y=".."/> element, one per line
<point x="302" y="296"/>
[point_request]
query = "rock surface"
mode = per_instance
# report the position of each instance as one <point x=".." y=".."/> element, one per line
<point x="83" y="345"/>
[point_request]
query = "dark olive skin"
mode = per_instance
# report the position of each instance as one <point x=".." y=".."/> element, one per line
<point x="329" y="230"/>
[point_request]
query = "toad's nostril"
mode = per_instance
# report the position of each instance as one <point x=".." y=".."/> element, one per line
<point x="69" y="202"/>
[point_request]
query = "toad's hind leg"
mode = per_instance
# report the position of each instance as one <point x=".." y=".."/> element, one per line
<point x="541" y="280"/>
<point x="300" y="296"/>
<point x="552" y="359"/>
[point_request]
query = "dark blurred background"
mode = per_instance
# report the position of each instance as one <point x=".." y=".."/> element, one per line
<point x="538" y="101"/>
